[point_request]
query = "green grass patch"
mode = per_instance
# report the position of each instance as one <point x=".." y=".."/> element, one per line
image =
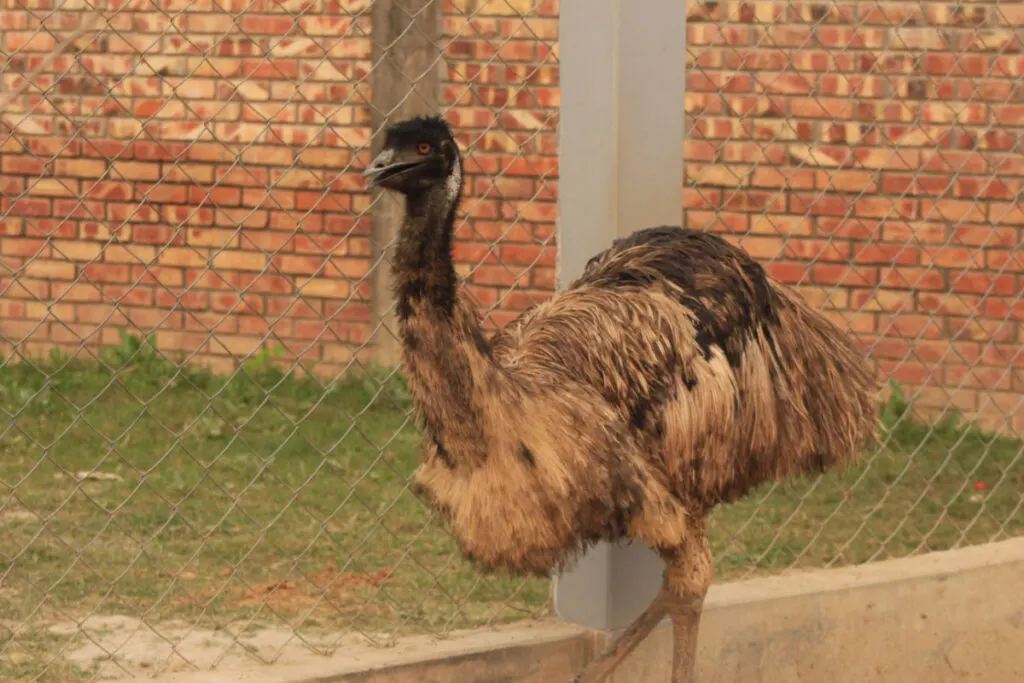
<point x="130" y="485"/>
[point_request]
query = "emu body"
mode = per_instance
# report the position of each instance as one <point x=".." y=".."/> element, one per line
<point x="672" y="376"/>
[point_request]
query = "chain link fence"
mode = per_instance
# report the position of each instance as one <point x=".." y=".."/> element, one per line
<point x="205" y="445"/>
<point x="871" y="155"/>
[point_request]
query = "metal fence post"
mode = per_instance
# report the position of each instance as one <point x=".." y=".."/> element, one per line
<point x="623" y="83"/>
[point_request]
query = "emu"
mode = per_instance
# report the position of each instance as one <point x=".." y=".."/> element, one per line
<point x="672" y="376"/>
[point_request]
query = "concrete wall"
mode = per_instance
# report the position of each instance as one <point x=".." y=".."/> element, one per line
<point x="949" y="616"/>
<point x="944" y="617"/>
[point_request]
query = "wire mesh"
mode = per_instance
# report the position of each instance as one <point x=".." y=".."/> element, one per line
<point x="201" y="455"/>
<point x="869" y="153"/>
<point x="204" y="457"/>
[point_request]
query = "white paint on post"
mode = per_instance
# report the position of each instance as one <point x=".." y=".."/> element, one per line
<point x="623" y="85"/>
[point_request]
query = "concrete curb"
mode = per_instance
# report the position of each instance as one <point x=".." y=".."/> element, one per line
<point x="532" y="652"/>
<point x="947" y="616"/>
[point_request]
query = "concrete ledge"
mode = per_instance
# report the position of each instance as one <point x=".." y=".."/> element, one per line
<point x="939" y="618"/>
<point x="534" y="653"/>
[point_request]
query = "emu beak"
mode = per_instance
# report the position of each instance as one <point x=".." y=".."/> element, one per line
<point x="381" y="163"/>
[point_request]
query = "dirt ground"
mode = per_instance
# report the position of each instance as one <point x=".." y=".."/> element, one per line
<point x="177" y="647"/>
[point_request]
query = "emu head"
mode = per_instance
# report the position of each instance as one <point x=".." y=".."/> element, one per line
<point x="419" y="155"/>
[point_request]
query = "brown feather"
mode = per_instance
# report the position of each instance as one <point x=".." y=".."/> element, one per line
<point x="672" y="376"/>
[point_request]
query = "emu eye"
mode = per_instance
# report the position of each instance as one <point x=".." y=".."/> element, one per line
<point x="424" y="148"/>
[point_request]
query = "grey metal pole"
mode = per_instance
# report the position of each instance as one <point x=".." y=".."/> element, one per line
<point x="623" y="86"/>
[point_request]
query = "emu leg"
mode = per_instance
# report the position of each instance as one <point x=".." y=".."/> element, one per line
<point x="687" y="577"/>
<point x="685" y="614"/>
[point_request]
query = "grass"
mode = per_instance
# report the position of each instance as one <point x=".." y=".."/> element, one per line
<point x="129" y="485"/>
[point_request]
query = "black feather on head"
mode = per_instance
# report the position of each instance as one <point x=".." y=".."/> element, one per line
<point x="418" y="154"/>
<point x="431" y="128"/>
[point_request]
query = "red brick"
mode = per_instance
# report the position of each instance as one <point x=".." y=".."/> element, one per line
<point x="1003" y="260"/>
<point x="911" y="325"/>
<point x="952" y="257"/>
<point x="239" y="260"/>
<point x="80" y="168"/>
<point x="497" y="275"/>
<point x="946" y="305"/>
<point x="23" y="165"/>
<point x="908" y="372"/>
<point x="882" y="300"/>
<point x="979" y="377"/>
<point x="885" y="254"/>
<point x="763" y="248"/>
<point x="982" y="330"/>
<point x="947" y="352"/>
<point x="29" y="41"/>
<point x="788" y="272"/>
<point x="842" y="274"/>
<point x="983" y="283"/>
<point x="890" y="348"/>
<point x="30" y="247"/>
<point x="49" y="269"/>
<point x="526" y="255"/>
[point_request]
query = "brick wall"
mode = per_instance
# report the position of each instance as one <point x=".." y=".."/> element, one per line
<point x="873" y="153"/>
<point x="181" y="177"/>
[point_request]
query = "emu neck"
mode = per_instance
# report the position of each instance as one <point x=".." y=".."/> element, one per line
<point x="446" y="359"/>
<point x="423" y="258"/>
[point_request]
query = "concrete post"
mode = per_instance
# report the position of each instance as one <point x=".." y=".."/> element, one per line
<point x="406" y="83"/>
<point x="623" y="80"/>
